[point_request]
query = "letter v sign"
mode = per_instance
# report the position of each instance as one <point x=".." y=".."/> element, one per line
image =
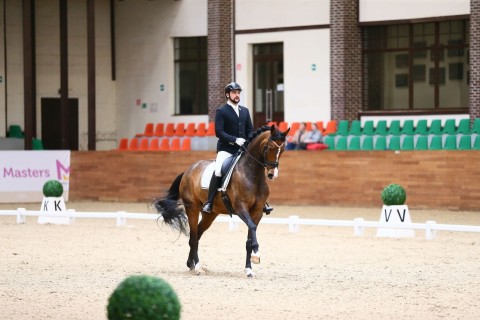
<point x="387" y="217"/>
<point x="402" y="217"/>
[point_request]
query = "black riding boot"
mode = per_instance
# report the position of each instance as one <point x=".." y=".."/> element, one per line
<point x="267" y="209"/>
<point x="212" y="190"/>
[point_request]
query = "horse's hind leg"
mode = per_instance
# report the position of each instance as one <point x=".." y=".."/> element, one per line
<point x="248" y="262"/>
<point x="193" y="259"/>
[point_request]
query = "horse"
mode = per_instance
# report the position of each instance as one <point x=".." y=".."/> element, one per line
<point x="247" y="191"/>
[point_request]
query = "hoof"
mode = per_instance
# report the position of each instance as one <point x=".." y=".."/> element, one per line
<point x="255" y="258"/>
<point x="197" y="270"/>
<point x="249" y="272"/>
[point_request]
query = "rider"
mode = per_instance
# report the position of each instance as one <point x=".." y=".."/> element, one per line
<point x="232" y="127"/>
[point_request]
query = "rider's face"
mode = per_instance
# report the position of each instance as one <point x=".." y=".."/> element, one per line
<point x="234" y="96"/>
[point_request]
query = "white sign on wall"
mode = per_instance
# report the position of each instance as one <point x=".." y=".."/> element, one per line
<point x="23" y="174"/>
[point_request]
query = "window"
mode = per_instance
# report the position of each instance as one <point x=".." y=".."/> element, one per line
<point x="422" y="66"/>
<point x="191" y="94"/>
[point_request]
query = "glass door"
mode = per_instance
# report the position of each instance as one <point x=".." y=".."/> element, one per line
<point x="268" y="83"/>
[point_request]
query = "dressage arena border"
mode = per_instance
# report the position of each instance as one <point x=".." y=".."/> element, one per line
<point x="293" y="222"/>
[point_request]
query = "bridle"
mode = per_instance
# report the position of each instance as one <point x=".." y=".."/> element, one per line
<point x="265" y="150"/>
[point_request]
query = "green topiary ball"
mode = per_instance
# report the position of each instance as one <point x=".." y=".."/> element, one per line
<point x="394" y="195"/>
<point x="143" y="297"/>
<point x="52" y="188"/>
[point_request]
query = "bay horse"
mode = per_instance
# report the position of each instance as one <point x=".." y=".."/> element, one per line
<point x="247" y="190"/>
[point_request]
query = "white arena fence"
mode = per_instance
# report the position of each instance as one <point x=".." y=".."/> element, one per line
<point x="293" y="222"/>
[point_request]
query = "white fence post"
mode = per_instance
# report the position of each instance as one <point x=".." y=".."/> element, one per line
<point x="430" y="234"/>
<point x="357" y="228"/>
<point x="293" y="224"/>
<point x="121" y="220"/>
<point x="21" y="218"/>
<point x="71" y="220"/>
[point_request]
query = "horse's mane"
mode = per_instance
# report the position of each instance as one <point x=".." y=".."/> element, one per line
<point x="276" y="136"/>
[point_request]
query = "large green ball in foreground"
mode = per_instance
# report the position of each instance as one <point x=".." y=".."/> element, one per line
<point x="394" y="195"/>
<point x="52" y="188"/>
<point x="143" y="297"/>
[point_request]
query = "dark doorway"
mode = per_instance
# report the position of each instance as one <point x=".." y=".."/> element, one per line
<point x="268" y="83"/>
<point x="52" y="124"/>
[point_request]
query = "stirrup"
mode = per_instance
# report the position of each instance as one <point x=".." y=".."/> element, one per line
<point x="267" y="209"/>
<point x="207" y="207"/>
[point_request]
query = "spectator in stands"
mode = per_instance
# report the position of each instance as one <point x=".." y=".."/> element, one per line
<point x="233" y="126"/>
<point x="298" y="137"/>
<point x="314" y="136"/>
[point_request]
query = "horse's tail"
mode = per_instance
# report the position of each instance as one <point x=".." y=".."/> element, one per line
<point x="172" y="212"/>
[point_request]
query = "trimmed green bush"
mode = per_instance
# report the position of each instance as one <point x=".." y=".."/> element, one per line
<point x="394" y="195"/>
<point x="143" y="297"/>
<point x="52" y="188"/>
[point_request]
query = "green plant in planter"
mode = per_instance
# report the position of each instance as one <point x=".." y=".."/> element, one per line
<point x="394" y="195"/>
<point x="143" y="297"/>
<point x="52" y="188"/>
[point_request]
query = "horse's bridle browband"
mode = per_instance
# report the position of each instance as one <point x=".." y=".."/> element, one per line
<point x="265" y="162"/>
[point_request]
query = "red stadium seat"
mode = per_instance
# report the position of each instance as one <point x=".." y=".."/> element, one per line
<point x="154" y="145"/>
<point x="165" y="144"/>
<point x="186" y="144"/>
<point x="159" y="130"/>
<point x="190" y="131"/>
<point x="170" y="130"/>
<point x="201" y="130"/>
<point x="133" y="145"/>
<point x="175" y="145"/>
<point x="123" y="145"/>
<point x="180" y="129"/>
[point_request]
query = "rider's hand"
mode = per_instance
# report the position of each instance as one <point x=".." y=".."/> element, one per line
<point x="240" y="141"/>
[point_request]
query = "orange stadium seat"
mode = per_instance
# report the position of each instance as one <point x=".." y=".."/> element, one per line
<point x="144" y="145"/>
<point x="211" y="129"/>
<point x="175" y="145"/>
<point x="320" y="126"/>
<point x="190" y="131"/>
<point x="133" y="145"/>
<point x="147" y="132"/>
<point x="154" y="146"/>
<point x="283" y="126"/>
<point x="180" y="129"/>
<point x="309" y="126"/>
<point x="201" y="130"/>
<point x="186" y="144"/>
<point x="293" y="128"/>
<point x="159" y="130"/>
<point x="123" y="144"/>
<point x="165" y="144"/>
<point x="170" y="130"/>
<point x="331" y="127"/>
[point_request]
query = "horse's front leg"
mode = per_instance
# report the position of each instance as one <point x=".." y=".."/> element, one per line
<point x="248" y="262"/>
<point x="252" y="244"/>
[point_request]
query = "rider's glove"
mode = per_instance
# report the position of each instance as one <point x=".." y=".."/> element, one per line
<point x="240" y="141"/>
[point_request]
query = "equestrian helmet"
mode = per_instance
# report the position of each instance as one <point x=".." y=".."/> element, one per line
<point x="232" y="86"/>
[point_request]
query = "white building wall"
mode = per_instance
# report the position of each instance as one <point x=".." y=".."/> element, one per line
<point x="145" y="60"/>
<point x="306" y="71"/>
<point x="3" y="128"/>
<point x="381" y="10"/>
<point x="261" y="14"/>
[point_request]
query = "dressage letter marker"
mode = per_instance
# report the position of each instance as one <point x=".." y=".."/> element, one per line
<point x="395" y="215"/>
<point x="56" y="205"/>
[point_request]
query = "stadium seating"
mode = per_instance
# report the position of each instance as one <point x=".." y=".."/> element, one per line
<point x="341" y="144"/>
<point x="175" y="144"/>
<point x="37" y="144"/>
<point x="186" y="144"/>
<point x="170" y="130"/>
<point x="464" y="126"/>
<point x="147" y="132"/>
<point x="408" y="127"/>
<point x="407" y="143"/>
<point x="211" y="129"/>
<point x="368" y="128"/>
<point x="154" y="145"/>
<point x="354" y="144"/>
<point x="381" y="128"/>
<point x="465" y="143"/>
<point x="144" y="145"/>
<point x="342" y="129"/>
<point x="381" y="143"/>
<point x="422" y="143"/>
<point x="451" y="142"/>
<point x="133" y="144"/>
<point x="330" y="142"/>
<point x="15" y="131"/>
<point x="355" y="128"/>
<point x="159" y="128"/>
<point x="422" y="127"/>
<point x="201" y="130"/>
<point x="180" y="129"/>
<point x="476" y="143"/>
<point x="190" y="130"/>
<point x="436" y="143"/>
<point x="435" y="127"/>
<point x="367" y="144"/>
<point x="476" y="126"/>
<point x="449" y="127"/>
<point x="394" y="128"/>
<point x="165" y="144"/>
<point x="123" y="144"/>
<point x="394" y="143"/>
<point x="331" y="127"/>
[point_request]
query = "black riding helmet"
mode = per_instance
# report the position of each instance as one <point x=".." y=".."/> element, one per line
<point x="232" y="86"/>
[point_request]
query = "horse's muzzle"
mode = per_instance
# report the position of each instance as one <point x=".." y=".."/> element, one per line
<point x="272" y="174"/>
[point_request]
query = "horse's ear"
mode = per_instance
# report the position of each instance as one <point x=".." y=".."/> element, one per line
<point x="272" y="129"/>
<point x="286" y="132"/>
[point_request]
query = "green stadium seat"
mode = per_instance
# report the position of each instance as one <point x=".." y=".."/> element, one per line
<point x="449" y="127"/>
<point x="451" y="143"/>
<point x="341" y="144"/>
<point x="422" y="143"/>
<point x="476" y="126"/>
<point x="381" y="143"/>
<point x="407" y="143"/>
<point x="476" y="143"/>
<point x="354" y="144"/>
<point x="464" y="126"/>
<point x="394" y="128"/>
<point x="408" y="127"/>
<point x="330" y="142"/>
<point x="367" y="144"/>
<point x="436" y="143"/>
<point x="342" y="128"/>
<point x="381" y="128"/>
<point x="355" y="128"/>
<point x="368" y="128"/>
<point x="394" y="143"/>
<point x="435" y="127"/>
<point x="15" y="131"/>
<point x="37" y="144"/>
<point x="422" y="127"/>
<point x="465" y="143"/>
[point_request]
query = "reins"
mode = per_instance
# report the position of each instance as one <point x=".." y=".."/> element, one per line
<point x="265" y="162"/>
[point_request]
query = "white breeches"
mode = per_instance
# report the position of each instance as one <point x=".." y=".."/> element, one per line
<point x="221" y="156"/>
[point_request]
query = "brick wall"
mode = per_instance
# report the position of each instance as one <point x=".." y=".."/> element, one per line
<point x="345" y="58"/>
<point x="474" y="98"/>
<point x="220" y="46"/>
<point x="432" y="179"/>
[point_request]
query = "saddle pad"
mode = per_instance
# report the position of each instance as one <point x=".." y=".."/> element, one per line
<point x="207" y="175"/>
